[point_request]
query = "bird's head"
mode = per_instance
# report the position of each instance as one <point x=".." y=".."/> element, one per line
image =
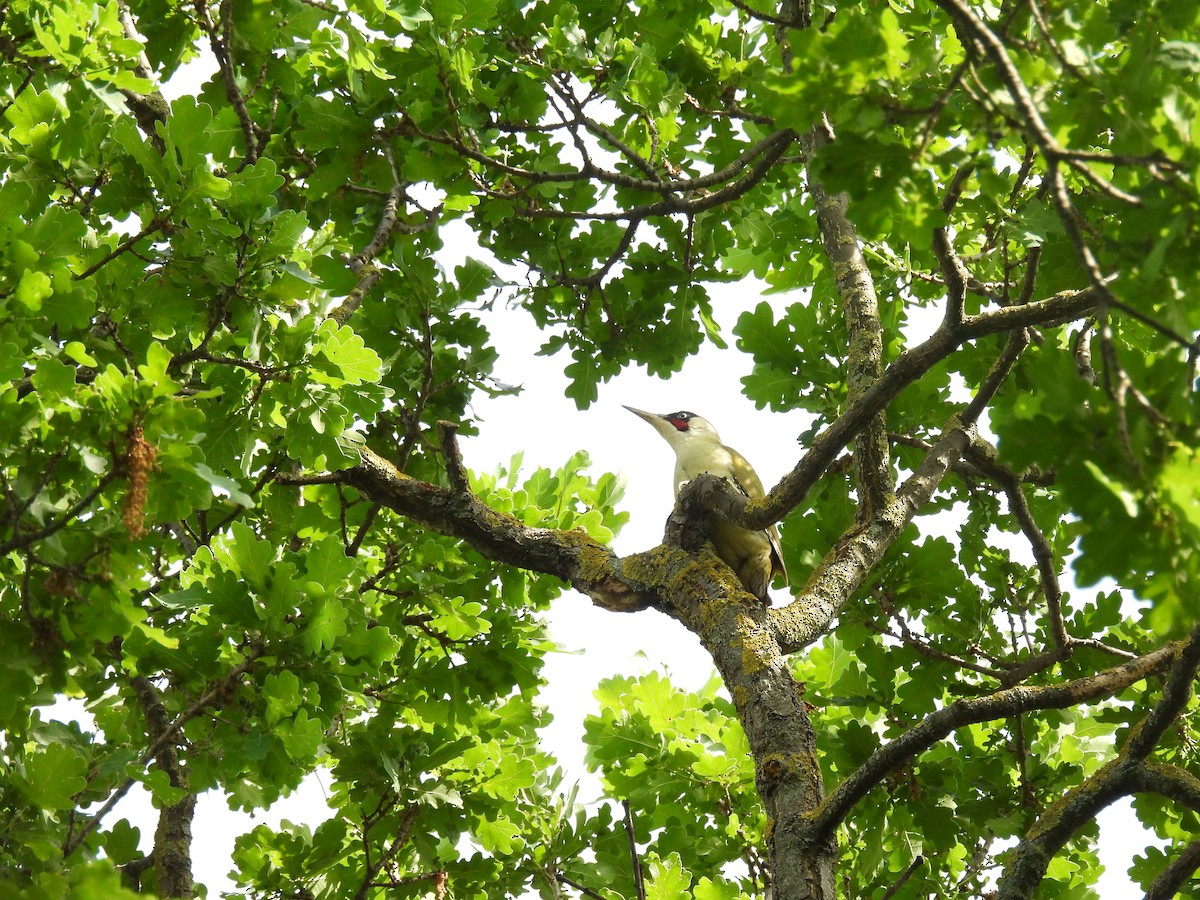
<point x="680" y="428"/>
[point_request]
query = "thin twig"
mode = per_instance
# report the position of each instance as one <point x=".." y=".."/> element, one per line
<point x="1043" y="554"/>
<point x="213" y="694"/>
<point x="124" y="247"/>
<point x="586" y="891"/>
<point x="639" y="884"/>
<point x="908" y="873"/>
<point x="1004" y="703"/>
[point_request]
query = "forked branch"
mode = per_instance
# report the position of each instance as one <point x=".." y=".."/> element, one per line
<point x="1002" y="704"/>
<point x="1127" y="773"/>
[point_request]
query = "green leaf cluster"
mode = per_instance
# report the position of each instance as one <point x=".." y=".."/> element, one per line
<point x="206" y="300"/>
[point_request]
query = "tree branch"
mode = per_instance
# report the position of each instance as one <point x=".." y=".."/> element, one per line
<point x="221" y="41"/>
<point x="903" y="371"/>
<point x="173" y="837"/>
<point x="589" y="566"/>
<point x="164" y="737"/>
<point x="730" y="181"/>
<point x="1127" y="773"/>
<point x="1176" y="784"/>
<point x="124" y="247"/>
<point x="872" y="462"/>
<point x="847" y="564"/>
<point x="1002" y="704"/>
<point x="362" y="263"/>
<point x="1179" y="870"/>
<point x="1043" y="555"/>
<point x="639" y="885"/>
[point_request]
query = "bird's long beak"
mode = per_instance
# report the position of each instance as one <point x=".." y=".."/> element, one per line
<point x="656" y="420"/>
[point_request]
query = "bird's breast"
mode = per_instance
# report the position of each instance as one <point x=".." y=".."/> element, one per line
<point x="693" y="461"/>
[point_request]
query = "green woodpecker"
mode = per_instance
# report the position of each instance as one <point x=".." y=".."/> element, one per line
<point x="754" y="555"/>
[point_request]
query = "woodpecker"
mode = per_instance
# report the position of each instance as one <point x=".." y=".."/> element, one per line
<point x="754" y="555"/>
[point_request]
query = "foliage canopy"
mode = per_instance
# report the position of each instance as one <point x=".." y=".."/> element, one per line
<point x="231" y="523"/>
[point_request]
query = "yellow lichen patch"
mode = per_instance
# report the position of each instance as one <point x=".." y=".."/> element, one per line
<point x="595" y="560"/>
<point x="647" y="567"/>
<point x="758" y="648"/>
<point x="806" y="763"/>
<point x="740" y="696"/>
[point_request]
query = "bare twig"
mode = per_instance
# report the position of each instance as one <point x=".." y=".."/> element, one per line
<point x="905" y="636"/>
<point x="586" y="891"/>
<point x="796" y="20"/>
<point x="363" y="262"/>
<point x="1043" y="555"/>
<point x="403" y="832"/>
<point x="19" y="540"/>
<point x="748" y="162"/>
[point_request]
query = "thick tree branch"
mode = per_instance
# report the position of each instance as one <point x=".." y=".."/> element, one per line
<point x="872" y="462"/>
<point x="903" y="371"/>
<point x="703" y="595"/>
<point x="737" y="632"/>
<point x="587" y="565"/>
<point x="848" y="563"/>
<point x="1176" y="784"/>
<point x="173" y="837"/>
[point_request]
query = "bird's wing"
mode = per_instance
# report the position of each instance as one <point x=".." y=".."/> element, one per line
<point x="744" y="476"/>
<point x="751" y="485"/>
<point x="777" y="566"/>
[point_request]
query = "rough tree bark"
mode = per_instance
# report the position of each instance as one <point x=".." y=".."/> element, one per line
<point x="172" y="857"/>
